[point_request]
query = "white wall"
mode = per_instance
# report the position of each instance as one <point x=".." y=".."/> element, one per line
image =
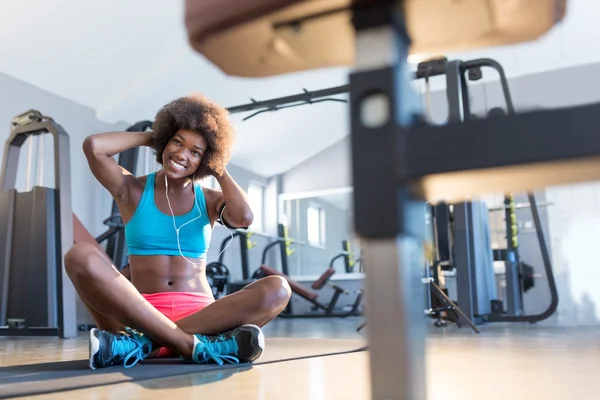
<point x="327" y="169"/>
<point x="574" y="220"/>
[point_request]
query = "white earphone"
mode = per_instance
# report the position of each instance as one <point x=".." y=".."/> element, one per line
<point x="192" y="220"/>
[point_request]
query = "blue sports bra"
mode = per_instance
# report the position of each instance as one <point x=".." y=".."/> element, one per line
<point x="151" y="232"/>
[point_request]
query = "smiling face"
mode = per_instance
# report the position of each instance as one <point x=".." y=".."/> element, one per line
<point x="183" y="154"/>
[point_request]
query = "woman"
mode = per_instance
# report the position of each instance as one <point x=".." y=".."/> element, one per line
<point x="167" y="307"/>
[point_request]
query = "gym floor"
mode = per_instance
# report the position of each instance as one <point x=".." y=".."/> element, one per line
<point x="515" y="361"/>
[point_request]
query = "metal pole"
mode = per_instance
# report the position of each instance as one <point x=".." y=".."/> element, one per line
<point x="302" y="97"/>
<point x="388" y="216"/>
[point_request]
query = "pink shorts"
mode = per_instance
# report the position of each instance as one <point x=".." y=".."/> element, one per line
<point x="178" y="305"/>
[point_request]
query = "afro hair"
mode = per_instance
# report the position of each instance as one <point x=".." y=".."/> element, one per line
<point x="198" y="114"/>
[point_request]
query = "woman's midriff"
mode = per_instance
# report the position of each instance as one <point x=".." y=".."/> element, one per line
<point x="158" y="274"/>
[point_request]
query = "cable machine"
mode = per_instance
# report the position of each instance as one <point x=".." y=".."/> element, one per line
<point x="470" y="254"/>
<point x="36" y="229"/>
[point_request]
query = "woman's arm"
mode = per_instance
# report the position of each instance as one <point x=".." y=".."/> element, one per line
<point x="99" y="150"/>
<point x="237" y="213"/>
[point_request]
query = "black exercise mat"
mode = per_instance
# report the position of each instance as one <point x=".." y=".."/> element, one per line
<point x="34" y="379"/>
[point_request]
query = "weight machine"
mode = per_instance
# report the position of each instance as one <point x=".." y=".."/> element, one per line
<point x="350" y="262"/>
<point x="311" y="295"/>
<point x="470" y="254"/>
<point x="36" y="229"/>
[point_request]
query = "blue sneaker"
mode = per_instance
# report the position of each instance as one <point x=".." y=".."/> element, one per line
<point x="123" y="348"/>
<point x="241" y="345"/>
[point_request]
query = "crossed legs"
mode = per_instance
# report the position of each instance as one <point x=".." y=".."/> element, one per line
<point x="114" y="303"/>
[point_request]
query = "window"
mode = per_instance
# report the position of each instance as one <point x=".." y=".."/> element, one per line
<point x="256" y="200"/>
<point x="316" y="225"/>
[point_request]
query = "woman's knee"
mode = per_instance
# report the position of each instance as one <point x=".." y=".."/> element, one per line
<point x="276" y="292"/>
<point x="82" y="259"/>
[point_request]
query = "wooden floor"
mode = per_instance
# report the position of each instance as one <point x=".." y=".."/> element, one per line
<point x="503" y="362"/>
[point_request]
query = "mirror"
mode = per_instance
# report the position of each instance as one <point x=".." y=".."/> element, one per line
<point x="321" y="224"/>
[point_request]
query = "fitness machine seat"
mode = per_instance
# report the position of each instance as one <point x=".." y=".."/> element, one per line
<point x="257" y="38"/>
<point x="296" y="287"/>
<point x="319" y="283"/>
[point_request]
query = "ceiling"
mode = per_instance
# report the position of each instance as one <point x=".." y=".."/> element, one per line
<point x="124" y="59"/>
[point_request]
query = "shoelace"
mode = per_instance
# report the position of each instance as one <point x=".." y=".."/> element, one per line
<point x="128" y="345"/>
<point x="218" y="350"/>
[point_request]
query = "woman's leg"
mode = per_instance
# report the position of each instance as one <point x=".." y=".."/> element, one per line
<point x="272" y="295"/>
<point x="112" y="296"/>
<point x="102" y="322"/>
<point x="256" y="304"/>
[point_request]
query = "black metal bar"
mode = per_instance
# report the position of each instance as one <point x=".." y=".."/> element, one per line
<point x="341" y="255"/>
<point x="441" y="221"/>
<point x="65" y="292"/>
<point x="281" y="231"/>
<point x="463" y="257"/>
<point x="244" y="255"/>
<point x="537" y="222"/>
<point x="567" y="134"/>
<point x="346" y="247"/>
<point x="500" y="254"/>
<point x="453" y="305"/>
<point x="514" y="288"/>
<point x="108" y="234"/>
<point x="303" y="97"/>
<point x="488" y="62"/>
<point x="466" y="98"/>
<point x="431" y="68"/>
<point x="454" y="85"/>
<point x="426" y="69"/>
<point x="333" y="301"/>
<point x="7" y="198"/>
<point x="549" y="275"/>
<point x="388" y="216"/>
<point x="266" y="250"/>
